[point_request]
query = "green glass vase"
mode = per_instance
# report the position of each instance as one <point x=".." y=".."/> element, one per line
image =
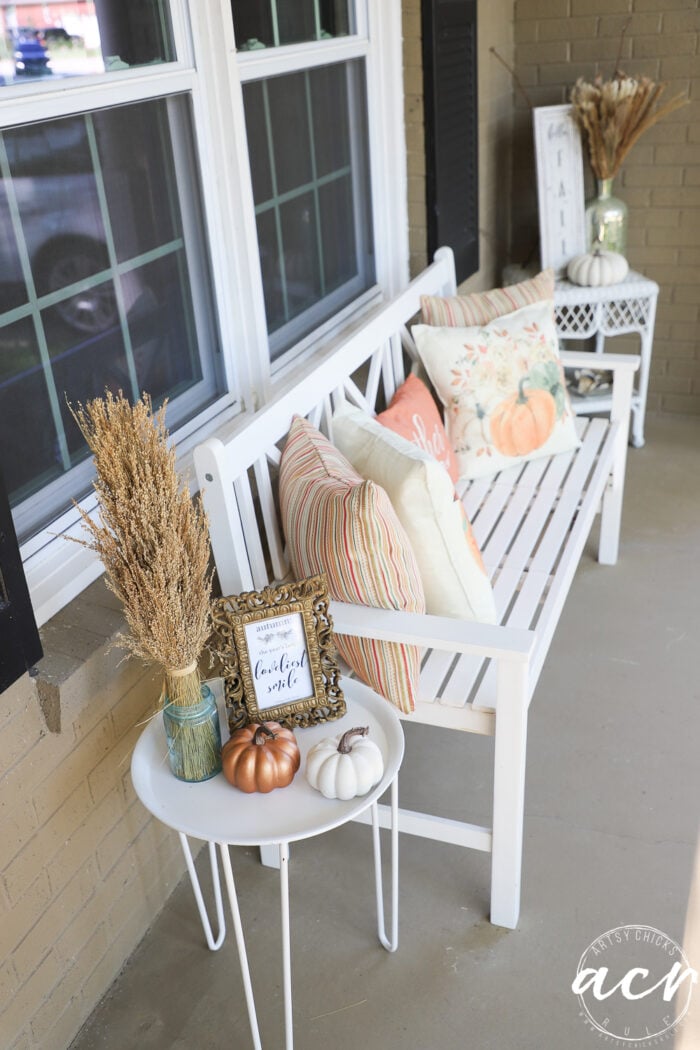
<point x="606" y="220"/>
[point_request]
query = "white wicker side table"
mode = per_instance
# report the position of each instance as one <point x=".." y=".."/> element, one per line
<point x="617" y="309"/>
<point x="221" y="816"/>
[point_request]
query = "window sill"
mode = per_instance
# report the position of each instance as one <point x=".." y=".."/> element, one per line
<point x="80" y="655"/>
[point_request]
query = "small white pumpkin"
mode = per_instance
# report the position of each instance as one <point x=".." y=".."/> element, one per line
<point x="343" y="767"/>
<point x="598" y="267"/>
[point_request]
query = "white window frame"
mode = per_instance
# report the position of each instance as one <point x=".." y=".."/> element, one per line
<point x="58" y="571"/>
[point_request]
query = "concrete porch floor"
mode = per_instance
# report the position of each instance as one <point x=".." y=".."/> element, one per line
<point x="611" y="824"/>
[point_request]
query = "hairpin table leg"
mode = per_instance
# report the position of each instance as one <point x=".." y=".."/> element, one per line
<point x="286" y="945"/>
<point x="390" y="945"/>
<point x="240" y="942"/>
<point x="213" y="942"/>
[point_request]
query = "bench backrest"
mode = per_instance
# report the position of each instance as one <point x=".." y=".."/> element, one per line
<point x="237" y="474"/>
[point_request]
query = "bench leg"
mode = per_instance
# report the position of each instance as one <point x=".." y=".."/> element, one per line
<point x="508" y="793"/>
<point x="611" y="513"/>
<point x="610" y="521"/>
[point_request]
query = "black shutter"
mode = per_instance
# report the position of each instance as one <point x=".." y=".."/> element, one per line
<point x="20" y="647"/>
<point x="451" y="130"/>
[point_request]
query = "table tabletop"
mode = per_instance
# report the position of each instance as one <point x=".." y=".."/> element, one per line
<point x="634" y="286"/>
<point x="217" y="812"/>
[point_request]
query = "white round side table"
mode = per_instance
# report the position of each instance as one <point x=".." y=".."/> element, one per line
<point x="222" y="816"/>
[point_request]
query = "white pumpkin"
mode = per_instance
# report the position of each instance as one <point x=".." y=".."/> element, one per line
<point x="345" y="766"/>
<point x="598" y="267"/>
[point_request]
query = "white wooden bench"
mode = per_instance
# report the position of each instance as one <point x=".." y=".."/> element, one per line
<point x="531" y="522"/>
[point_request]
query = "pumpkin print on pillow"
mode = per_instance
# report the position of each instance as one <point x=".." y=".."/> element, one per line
<point x="502" y="386"/>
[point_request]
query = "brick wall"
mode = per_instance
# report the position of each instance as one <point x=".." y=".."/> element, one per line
<point x="494" y="29"/>
<point x="83" y="869"/>
<point x="415" y="142"/>
<point x="560" y="40"/>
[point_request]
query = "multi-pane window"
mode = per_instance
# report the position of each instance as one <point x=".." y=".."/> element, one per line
<point x="188" y="207"/>
<point x="307" y="139"/>
<point x="103" y="285"/>
<point x="307" y="132"/>
<point x="104" y="275"/>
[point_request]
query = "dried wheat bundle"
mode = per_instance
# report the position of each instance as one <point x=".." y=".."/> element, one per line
<point x="613" y="114"/>
<point x="151" y="538"/>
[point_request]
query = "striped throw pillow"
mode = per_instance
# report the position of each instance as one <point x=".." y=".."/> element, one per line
<point x="479" y="308"/>
<point x="338" y="524"/>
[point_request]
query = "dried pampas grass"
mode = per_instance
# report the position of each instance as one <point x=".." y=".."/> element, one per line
<point x="151" y="538"/>
<point x="613" y="114"/>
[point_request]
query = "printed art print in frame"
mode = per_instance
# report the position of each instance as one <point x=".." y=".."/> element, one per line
<point x="277" y="652"/>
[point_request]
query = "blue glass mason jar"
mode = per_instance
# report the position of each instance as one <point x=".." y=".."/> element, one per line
<point x="194" y="737"/>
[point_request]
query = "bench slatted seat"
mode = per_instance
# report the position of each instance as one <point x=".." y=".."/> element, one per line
<point x="531" y="522"/>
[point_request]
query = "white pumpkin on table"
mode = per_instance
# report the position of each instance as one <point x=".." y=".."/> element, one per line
<point x="597" y="268"/>
<point x="345" y="766"/>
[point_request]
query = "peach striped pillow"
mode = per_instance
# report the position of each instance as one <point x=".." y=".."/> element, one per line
<point x="479" y="308"/>
<point x="339" y="524"/>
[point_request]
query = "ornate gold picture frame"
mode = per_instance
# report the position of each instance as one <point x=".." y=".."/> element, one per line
<point x="277" y="652"/>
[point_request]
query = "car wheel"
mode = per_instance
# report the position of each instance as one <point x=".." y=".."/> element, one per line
<point x="92" y="310"/>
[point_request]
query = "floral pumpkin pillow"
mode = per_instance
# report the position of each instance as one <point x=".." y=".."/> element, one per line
<point x="502" y="385"/>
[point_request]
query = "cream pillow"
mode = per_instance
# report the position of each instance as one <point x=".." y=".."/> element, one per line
<point x="503" y="389"/>
<point x="426" y="503"/>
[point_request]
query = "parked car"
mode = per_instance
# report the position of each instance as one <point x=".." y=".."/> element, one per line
<point x="30" y="55"/>
<point x="27" y="33"/>
<point x="59" y="35"/>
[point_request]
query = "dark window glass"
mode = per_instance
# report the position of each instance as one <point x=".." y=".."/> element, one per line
<point x="272" y="23"/>
<point x="332" y="136"/>
<point x="272" y="269"/>
<point x="288" y="117"/>
<point x="297" y="21"/>
<point x="139" y="178"/>
<point x="258" y="145"/>
<point x="339" y="248"/>
<point x="302" y="263"/>
<point x="12" y="288"/>
<point x="28" y="442"/>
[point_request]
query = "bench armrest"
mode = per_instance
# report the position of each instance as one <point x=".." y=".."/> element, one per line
<point x="435" y="632"/>
<point x="623" y="367"/>
<point x="608" y="362"/>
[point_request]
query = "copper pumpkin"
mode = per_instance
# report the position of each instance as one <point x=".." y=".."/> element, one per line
<point x="261" y="757"/>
